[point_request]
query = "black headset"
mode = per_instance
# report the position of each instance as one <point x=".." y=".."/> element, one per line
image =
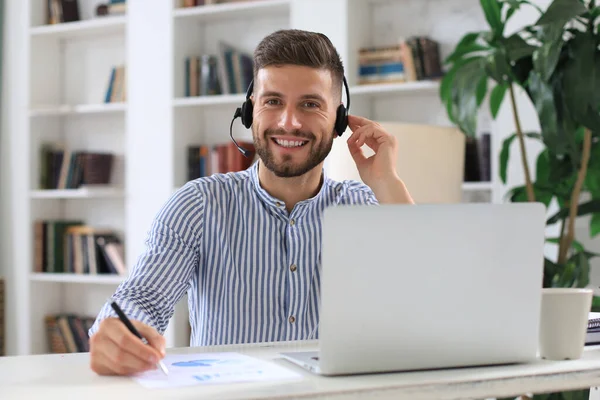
<point x="245" y="112"/>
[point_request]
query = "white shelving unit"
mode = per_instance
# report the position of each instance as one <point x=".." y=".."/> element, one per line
<point x="81" y="193"/>
<point x="102" y="108"/>
<point x="74" y="278"/>
<point x="68" y="71"/>
<point x="105" y="25"/>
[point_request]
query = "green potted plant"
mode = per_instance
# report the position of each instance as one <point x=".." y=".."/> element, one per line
<point x="556" y="62"/>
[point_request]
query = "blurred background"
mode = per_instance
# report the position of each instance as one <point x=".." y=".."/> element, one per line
<point x="109" y="106"/>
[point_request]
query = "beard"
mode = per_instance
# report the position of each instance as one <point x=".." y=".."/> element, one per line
<point x="287" y="167"/>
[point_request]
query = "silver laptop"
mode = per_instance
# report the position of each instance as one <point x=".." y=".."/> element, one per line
<point x="428" y="286"/>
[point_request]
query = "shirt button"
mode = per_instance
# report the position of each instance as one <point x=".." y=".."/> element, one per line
<point x="292" y="222"/>
<point x="278" y="204"/>
<point x="292" y="319"/>
<point x="293" y="268"/>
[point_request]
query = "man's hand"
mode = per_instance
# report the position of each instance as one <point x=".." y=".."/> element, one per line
<point x="382" y="164"/>
<point x="379" y="170"/>
<point x="116" y="351"/>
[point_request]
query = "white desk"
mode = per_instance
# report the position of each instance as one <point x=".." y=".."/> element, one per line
<point x="69" y="376"/>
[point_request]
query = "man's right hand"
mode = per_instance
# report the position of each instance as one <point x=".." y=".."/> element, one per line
<point x="116" y="351"/>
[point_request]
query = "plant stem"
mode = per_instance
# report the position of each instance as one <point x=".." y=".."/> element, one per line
<point x="567" y="240"/>
<point x="528" y="184"/>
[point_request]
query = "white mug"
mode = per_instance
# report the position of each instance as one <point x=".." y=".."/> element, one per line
<point x="563" y="322"/>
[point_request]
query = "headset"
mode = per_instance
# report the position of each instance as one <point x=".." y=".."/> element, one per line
<point x="245" y="113"/>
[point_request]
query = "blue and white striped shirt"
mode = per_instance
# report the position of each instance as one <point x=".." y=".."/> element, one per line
<point x="250" y="268"/>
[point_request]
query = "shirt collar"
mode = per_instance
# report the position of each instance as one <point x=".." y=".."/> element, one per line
<point x="278" y="203"/>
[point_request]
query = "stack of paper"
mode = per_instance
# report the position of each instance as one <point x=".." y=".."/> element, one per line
<point x="213" y="368"/>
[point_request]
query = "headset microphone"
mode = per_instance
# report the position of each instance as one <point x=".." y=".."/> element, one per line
<point x="242" y="150"/>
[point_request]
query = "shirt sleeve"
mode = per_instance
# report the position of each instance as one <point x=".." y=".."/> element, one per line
<point x="357" y="193"/>
<point x="163" y="273"/>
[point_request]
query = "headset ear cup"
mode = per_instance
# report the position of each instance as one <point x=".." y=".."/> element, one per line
<point x="247" y="113"/>
<point x="341" y="120"/>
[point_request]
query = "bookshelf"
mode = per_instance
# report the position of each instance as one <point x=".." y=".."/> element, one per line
<point x="81" y="193"/>
<point x="66" y="73"/>
<point x="78" y="109"/>
<point x="73" y="278"/>
<point x="73" y="30"/>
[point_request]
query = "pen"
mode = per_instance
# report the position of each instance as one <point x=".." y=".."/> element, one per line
<point x="132" y="329"/>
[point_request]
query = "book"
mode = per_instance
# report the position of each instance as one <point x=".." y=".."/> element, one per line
<point x="593" y="329"/>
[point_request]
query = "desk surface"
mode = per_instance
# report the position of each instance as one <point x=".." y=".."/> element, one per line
<point x="51" y="376"/>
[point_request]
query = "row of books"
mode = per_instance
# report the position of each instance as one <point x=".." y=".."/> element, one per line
<point x="116" y="91"/>
<point x="113" y="7"/>
<point x="70" y="246"/>
<point x="204" y="160"/>
<point x="477" y="159"/>
<point x="229" y="71"/>
<point x="64" y="168"/>
<point x="194" y="3"/>
<point x="68" y="333"/>
<point x="59" y="11"/>
<point x="414" y="59"/>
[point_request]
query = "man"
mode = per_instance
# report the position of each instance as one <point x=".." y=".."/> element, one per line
<point x="246" y="246"/>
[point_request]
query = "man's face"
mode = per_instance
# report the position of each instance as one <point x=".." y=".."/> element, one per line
<point x="294" y="116"/>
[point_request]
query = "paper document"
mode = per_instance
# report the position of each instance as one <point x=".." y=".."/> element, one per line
<point x="213" y="368"/>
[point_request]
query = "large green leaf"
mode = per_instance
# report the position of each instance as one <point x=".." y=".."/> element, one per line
<point x="520" y="71"/>
<point x="589" y="207"/>
<point x="577" y="246"/>
<point x="550" y="270"/>
<point x="566" y="275"/>
<point x="497" y="66"/>
<point x="517" y="48"/>
<point x="583" y="267"/>
<point x="543" y="99"/>
<point x="550" y="32"/>
<point x="595" y="225"/>
<point x="481" y="90"/>
<point x="466" y="41"/>
<point x="449" y="78"/>
<point x="496" y="98"/>
<point x="581" y="81"/>
<point x="546" y="57"/>
<point x="519" y="195"/>
<point x="583" y="394"/>
<point x="562" y="11"/>
<point x="592" y="181"/>
<point x="592" y="178"/>
<point x="567" y="126"/>
<point x="596" y="304"/>
<point x="542" y="168"/>
<point x="491" y="10"/>
<point x="505" y="151"/>
<point x="562" y="172"/>
<point x="462" y="51"/>
<point x="514" y="3"/>
<point x="464" y="95"/>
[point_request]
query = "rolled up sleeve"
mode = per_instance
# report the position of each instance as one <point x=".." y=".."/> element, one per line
<point x="163" y="273"/>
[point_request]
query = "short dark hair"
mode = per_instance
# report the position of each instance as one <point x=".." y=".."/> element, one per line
<point x="298" y="47"/>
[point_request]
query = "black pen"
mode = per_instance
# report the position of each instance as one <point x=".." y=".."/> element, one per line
<point x="132" y="329"/>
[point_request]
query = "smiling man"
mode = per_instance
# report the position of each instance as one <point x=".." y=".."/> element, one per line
<point x="246" y="246"/>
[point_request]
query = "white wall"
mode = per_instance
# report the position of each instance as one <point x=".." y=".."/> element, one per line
<point x="13" y="95"/>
